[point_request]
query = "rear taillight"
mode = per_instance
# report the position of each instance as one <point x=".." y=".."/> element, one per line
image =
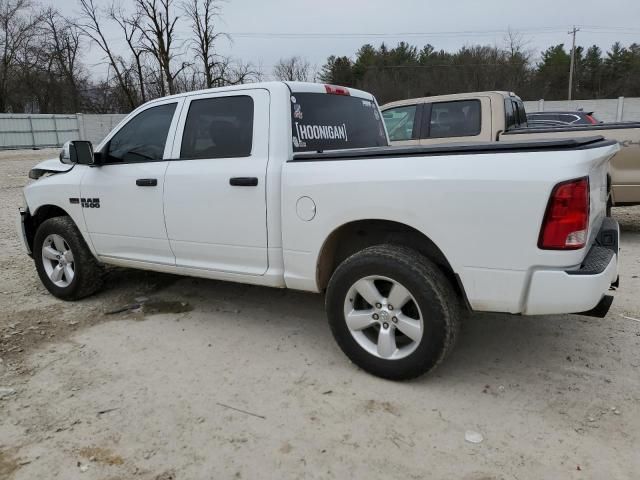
<point x="566" y="221"/>
<point x="591" y="120"/>
<point x="336" y="90"/>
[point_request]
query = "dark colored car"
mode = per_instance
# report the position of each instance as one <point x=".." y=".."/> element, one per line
<point x="573" y="117"/>
<point x="546" y="123"/>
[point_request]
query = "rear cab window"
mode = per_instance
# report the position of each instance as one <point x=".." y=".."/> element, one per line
<point x="515" y="114"/>
<point x="325" y="121"/>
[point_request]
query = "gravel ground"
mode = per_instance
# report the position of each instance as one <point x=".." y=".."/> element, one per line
<point x="217" y="380"/>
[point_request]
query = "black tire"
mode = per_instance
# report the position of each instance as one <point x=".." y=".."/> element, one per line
<point x="433" y="294"/>
<point x="87" y="277"/>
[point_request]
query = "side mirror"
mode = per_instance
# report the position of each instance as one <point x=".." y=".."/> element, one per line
<point x="77" y="151"/>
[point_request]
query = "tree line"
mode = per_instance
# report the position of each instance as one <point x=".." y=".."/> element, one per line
<point x="408" y="71"/>
<point x="44" y="67"/>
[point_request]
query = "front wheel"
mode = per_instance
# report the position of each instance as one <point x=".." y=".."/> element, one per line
<point x="64" y="263"/>
<point x="392" y="311"/>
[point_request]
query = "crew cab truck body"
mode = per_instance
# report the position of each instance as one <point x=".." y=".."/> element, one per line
<point x="501" y="116"/>
<point x="293" y="185"/>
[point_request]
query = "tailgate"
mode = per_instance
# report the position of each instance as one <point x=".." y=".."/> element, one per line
<point x="599" y="186"/>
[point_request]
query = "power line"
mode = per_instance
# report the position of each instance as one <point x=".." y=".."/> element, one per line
<point x="339" y="35"/>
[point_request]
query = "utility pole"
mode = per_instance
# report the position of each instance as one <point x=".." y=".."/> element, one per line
<point x="573" y="32"/>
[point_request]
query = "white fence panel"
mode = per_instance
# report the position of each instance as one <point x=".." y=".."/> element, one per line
<point x="607" y="109"/>
<point x="36" y="130"/>
<point x="42" y="130"/>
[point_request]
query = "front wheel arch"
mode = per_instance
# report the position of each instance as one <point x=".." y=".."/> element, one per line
<point x="38" y="216"/>
<point x="86" y="272"/>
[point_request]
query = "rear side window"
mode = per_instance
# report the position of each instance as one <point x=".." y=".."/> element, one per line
<point x="218" y="128"/>
<point x="455" y="119"/>
<point x="143" y="137"/>
<point x="321" y="121"/>
<point x="400" y="122"/>
<point x="569" y="118"/>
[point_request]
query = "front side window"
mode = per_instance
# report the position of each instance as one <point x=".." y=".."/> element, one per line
<point x="455" y="119"/>
<point x="219" y="127"/>
<point x="399" y="122"/>
<point x="143" y="138"/>
<point x="322" y="121"/>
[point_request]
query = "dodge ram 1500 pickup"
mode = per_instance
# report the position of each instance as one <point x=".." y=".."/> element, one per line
<point x="500" y="116"/>
<point x="294" y="185"/>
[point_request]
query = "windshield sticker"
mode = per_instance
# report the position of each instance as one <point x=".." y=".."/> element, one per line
<point x="297" y="111"/>
<point x="322" y="132"/>
<point x="293" y="99"/>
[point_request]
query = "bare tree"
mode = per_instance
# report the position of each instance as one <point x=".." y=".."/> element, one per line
<point x="202" y="15"/>
<point x="292" y="69"/>
<point x="18" y="25"/>
<point x="63" y="47"/>
<point x="90" y="24"/>
<point x="158" y="23"/>
<point x="129" y="23"/>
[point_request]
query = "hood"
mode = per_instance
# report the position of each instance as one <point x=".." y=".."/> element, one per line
<point x="51" y="166"/>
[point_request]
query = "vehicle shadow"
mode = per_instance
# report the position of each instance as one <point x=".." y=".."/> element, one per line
<point x="492" y="348"/>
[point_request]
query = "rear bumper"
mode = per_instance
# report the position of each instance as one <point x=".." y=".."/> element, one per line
<point x="580" y="289"/>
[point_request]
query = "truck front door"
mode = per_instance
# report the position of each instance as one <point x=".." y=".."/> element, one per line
<point x="215" y="192"/>
<point x="123" y="195"/>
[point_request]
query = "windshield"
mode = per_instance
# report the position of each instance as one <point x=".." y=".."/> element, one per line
<point x="323" y="121"/>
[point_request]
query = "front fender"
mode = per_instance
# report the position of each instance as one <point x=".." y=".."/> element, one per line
<point x="51" y="194"/>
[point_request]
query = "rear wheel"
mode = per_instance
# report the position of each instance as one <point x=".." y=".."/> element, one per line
<point x="392" y="311"/>
<point x="64" y="263"/>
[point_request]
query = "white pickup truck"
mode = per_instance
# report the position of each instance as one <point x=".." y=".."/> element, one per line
<point x="294" y="185"/>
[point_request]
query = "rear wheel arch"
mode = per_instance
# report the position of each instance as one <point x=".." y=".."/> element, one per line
<point x="392" y="311"/>
<point x="355" y="236"/>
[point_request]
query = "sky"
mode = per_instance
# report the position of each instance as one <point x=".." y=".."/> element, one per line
<point x="263" y="31"/>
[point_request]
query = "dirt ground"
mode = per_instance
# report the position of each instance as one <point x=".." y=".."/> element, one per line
<point x="216" y="380"/>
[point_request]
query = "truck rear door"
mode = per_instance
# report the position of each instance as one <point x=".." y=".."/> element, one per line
<point x="214" y="201"/>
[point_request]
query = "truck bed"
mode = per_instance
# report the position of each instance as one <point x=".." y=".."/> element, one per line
<point x="625" y="166"/>
<point x="540" y="145"/>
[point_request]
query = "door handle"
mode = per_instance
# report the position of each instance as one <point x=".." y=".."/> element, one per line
<point x="243" y="181"/>
<point x="147" y="182"/>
